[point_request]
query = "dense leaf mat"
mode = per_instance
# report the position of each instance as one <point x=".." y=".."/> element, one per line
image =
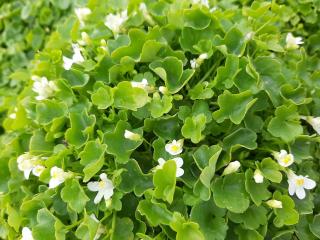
<point x="191" y="119"/>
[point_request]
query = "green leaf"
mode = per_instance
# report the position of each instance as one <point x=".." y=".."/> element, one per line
<point x="75" y="78"/>
<point x="193" y="126"/>
<point x="226" y="74"/>
<point x="212" y="225"/>
<point x="164" y="180"/>
<point x="14" y="218"/>
<point x="185" y="229"/>
<point x="73" y="194"/>
<point x="234" y="40"/>
<point x="118" y="145"/>
<point x="196" y="19"/>
<point x="48" y="227"/>
<point x="286" y="215"/>
<point x="315" y="226"/>
<point x="77" y="134"/>
<point x="270" y="170"/>
<point x="201" y="91"/>
<point x="159" y="106"/>
<point x="257" y="191"/>
<point x="170" y="69"/>
<point x="245" y="234"/>
<point x="48" y="110"/>
<point x="38" y="143"/>
<point x="122" y="229"/>
<point x="156" y="213"/>
<point x="229" y="192"/>
<point x="92" y="158"/>
<point x="133" y="179"/>
<point x="252" y="218"/>
<point x="233" y="106"/>
<point x="87" y="229"/>
<point x="102" y="97"/>
<point x="286" y="124"/>
<point x="128" y="97"/>
<point x="242" y="137"/>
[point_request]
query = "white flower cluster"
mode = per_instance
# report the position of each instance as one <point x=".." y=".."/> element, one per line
<point x="28" y="163"/>
<point x="174" y="148"/>
<point x="82" y="14"/>
<point x="43" y="87"/>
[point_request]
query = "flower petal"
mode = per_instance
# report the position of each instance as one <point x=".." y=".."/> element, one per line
<point x="93" y="186"/>
<point x="300" y="192"/>
<point x="98" y="198"/>
<point x="309" y="183"/>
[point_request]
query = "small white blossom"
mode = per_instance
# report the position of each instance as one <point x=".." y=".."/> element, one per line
<point x="143" y="84"/>
<point x="115" y="21"/>
<point x="13" y="115"/>
<point x="82" y="14"/>
<point x="132" y="136"/>
<point x="26" y="162"/>
<point x="258" y="177"/>
<point x="314" y="122"/>
<point x="274" y="203"/>
<point x="43" y="87"/>
<point x="193" y="63"/>
<point x="76" y="58"/>
<point x="58" y="176"/>
<point x="179" y="163"/>
<point x="297" y="184"/>
<point x="104" y="188"/>
<point x="293" y="42"/>
<point x="231" y="168"/>
<point x="26" y="234"/>
<point x="37" y="170"/>
<point x="284" y="159"/>
<point x="85" y="39"/>
<point x="201" y="2"/>
<point x="175" y="147"/>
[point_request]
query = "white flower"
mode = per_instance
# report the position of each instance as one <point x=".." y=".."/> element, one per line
<point x="26" y="162"/>
<point x="104" y="188"/>
<point x="203" y="56"/>
<point x="163" y="90"/>
<point x="297" y="184"/>
<point x="115" y="21"/>
<point x="293" y="42"/>
<point x="274" y="203"/>
<point x="143" y="84"/>
<point x="37" y="170"/>
<point x="76" y="58"/>
<point x="43" y="87"/>
<point x="284" y="159"/>
<point x="193" y="63"/>
<point x="26" y="234"/>
<point x="314" y="122"/>
<point x="58" y="176"/>
<point x="201" y="2"/>
<point x="231" y="168"/>
<point x="257" y="175"/>
<point x="179" y="163"/>
<point x="13" y="115"/>
<point x="131" y="135"/>
<point x="175" y="147"/>
<point x="82" y="14"/>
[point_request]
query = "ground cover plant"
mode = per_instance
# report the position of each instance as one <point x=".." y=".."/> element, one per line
<point x="163" y="119"/>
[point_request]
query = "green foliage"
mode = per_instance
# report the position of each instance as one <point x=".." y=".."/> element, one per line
<point x="220" y="76"/>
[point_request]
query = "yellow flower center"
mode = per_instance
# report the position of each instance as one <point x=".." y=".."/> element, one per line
<point x="175" y="148"/>
<point x="300" y="181"/>
<point x="102" y="184"/>
<point x="287" y="159"/>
